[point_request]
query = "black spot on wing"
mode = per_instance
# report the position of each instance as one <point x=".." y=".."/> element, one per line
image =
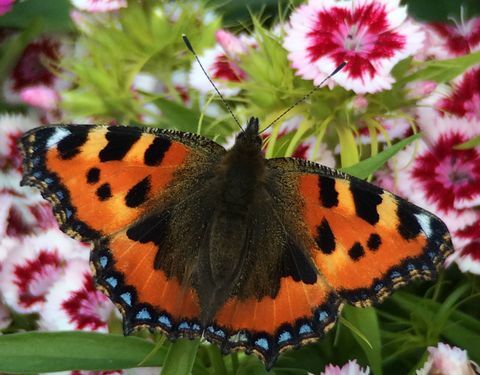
<point x="296" y="264"/>
<point x="408" y="225"/>
<point x="93" y="175"/>
<point x="120" y="141"/>
<point x="104" y="192"/>
<point x="356" y="251"/>
<point x="328" y="194"/>
<point x="366" y="202"/>
<point x="70" y="146"/>
<point x="374" y="242"/>
<point x="138" y="194"/>
<point x="325" y="239"/>
<point x="154" y="229"/>
<point x="156" y="151"/>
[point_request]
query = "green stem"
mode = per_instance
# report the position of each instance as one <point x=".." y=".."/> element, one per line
<point x="216" y="358"/>
<point x="180" y="357"/>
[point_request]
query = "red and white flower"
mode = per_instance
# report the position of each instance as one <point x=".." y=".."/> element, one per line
<point x="447" y="360"/>
<point x="446" y="181"/>
<point x="350" y="368"/>
<point x="371" y="35"/>
<point x="221" y="63"/>
<point x="33" y="265"/>
<point x="448" y="40"/>
<point x="99" y="6"/>
<point x="464" y="99"/>
<point x="73" y="302"/>
<point x="12" y="128"/>
<point x="22" y="210"/>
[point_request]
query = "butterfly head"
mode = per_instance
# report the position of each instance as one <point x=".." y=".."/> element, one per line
<point x="249" y="140"/>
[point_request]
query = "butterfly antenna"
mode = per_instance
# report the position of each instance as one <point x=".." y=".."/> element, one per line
<point x="337" y="69"/>
<point x="189" y="46"/>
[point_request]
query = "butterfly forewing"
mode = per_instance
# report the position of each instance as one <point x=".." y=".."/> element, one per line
<point x="366" y="241"/>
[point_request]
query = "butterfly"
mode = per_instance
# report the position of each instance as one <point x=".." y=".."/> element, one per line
<point x="251" y="253"/>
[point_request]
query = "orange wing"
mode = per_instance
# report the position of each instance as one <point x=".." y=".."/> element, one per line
<point x="101" y="179"/>
<point x="298" y="314"/>
<point x="145" y="296"/>
<point x="103" y="183"/>
<point x="366" y="241"/>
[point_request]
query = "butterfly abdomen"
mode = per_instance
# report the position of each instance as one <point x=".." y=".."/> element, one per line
<point x="222" y="257"/>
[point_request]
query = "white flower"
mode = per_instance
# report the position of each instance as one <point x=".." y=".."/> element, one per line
<point x="447" y="360"/>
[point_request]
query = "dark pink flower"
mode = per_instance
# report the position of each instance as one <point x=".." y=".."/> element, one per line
<point x="464" y="101"/>
<point x="33" y="67"/>
<point x="6" y="6"/>
<point x="447" y="40"/>
<point x="371" y="35"/>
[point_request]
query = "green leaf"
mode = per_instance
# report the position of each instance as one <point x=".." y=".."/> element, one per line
<point x="474" y="142"/>
<point x="35" y="352"/>
<point x="180" y="357"/>
<point x="348" y="147"/>
<point x="54" y="15"/>
<point x="176" y="116"/>
<point x="366" y="321"/>
<point x="444" y="70"/>
<point x="367" y="167"/>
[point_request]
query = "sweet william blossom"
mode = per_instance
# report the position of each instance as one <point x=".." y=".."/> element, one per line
<point x="453" y="39"/>
<point x="73" y="302"/>
<point x="221" y="63"/>
<point x="350" y="368"/>
<point x="371" y="35"/>
<point x="447" y="360"/>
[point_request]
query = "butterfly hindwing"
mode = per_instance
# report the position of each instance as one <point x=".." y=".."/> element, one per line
<point x="101" y="179"/>
<point x="146" y="297"/>
<point x="365" y="240"/>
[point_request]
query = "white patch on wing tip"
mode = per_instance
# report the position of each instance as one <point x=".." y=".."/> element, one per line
<point x="425" y="222"/>
<point x="57" y="136"/>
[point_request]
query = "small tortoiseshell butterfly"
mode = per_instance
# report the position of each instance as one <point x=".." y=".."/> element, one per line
<point x="253" y="253"/>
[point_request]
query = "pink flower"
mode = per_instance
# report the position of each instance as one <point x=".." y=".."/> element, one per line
<point x="448" y="40"/>
<point x="99" y="6"/>
<point x="33" y="265"/>
<point x="6" y="6"/>
<point x="371" y="35"/>
<point x="447" y="360"/>
<point x="40" y="96"/>
<point x="350" y="368"/>
<point x="73" y="302"/>
<point x="221" y="63"/>
<point x="464" y="101"/>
